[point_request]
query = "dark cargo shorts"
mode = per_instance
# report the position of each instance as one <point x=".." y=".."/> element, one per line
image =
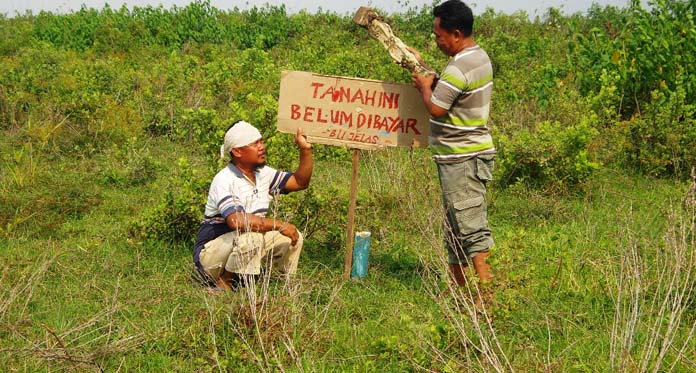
<point x="464" y="198"/>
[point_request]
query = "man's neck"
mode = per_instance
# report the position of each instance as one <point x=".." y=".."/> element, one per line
<point x="247" y="170"/>
<point x="466" y="43"/>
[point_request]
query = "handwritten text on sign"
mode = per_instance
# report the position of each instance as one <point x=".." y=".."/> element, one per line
<point x="354" y="112"/>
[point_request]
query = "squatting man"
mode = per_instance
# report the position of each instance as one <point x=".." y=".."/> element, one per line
<point x="236" y="239"/>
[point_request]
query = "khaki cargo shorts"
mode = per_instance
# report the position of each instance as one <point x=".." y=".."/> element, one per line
<point x="464" y="199"/>
<point x="246" y="253"/>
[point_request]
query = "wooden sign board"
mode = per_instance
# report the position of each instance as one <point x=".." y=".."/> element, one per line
<point x="357" y="113"/>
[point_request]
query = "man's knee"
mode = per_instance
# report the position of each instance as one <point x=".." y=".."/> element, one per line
<point x="250" y="241"/>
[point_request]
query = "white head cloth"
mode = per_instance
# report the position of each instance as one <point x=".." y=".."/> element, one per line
<point x="241" y="134"/>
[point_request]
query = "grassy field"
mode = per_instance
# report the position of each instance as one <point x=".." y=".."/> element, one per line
<point x="111" y="120"/>
<point x="595" y="282"/>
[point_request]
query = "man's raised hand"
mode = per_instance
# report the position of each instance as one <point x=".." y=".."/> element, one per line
<point x="301" y="140"/>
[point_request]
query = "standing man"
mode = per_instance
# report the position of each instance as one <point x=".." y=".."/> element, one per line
<point x="459" y="102"/>
<point x="236" y="238"/>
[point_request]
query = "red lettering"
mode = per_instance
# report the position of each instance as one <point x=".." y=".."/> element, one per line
<point x="370" y="99"/>
<point x="344" y="94"/>
<point x="328" y="92"/>
<point x="377" y="118"/>
<point x="357" y="96"/>
<point x="321" y="119"/>
<point x="411" y="123"/>
<point x="309" y="111"/>
<point x="316" y="88"/>
<point x="336" y="116"/>
<point x="295" y="112"/>
<point x="383" y="124"/>
<point x="347" y="118"/>
<point x="362" y="119"/>
<point x="397" y="124"/>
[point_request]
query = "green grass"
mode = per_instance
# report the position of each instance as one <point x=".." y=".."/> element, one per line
<point x="593" y="271"/>
<point x="87" y="295"/>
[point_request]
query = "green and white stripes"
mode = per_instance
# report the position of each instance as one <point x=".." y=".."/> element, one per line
<point x="464" y="89"/>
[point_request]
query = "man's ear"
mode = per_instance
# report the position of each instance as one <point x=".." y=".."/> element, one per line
<point x="235" y="152"/>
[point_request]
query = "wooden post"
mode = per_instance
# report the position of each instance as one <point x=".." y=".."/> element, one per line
<point x="348" y="262"/>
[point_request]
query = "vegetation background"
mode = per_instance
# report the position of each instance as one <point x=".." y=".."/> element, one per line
<point x="111" y="119"/>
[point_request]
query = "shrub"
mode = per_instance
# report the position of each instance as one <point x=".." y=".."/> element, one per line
<point x="176" y="217"/>
<point x="550" y="156"/>
<point x="316" y="211"/>
<point x="647" y="49"/>
<point x="130" y="164"/>
<point x="206" y="128"/>
<point x="661" y="141"/>
<point x="37" y="195"/>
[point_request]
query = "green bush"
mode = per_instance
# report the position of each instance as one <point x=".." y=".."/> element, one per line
<point x="308" y="210"/>
<point x="551" y="156"/>
<point x="130" y="164"/>
<point x="38" y="195"/>
<point x="206" y="128"/>
<point x="109" y="30"/>
<point x="176" y="217"/>
<point x="662" y="141"/>
<point x="639" y="65"/>
<point x="648" y="49"/>
<point x="97" y="105"/>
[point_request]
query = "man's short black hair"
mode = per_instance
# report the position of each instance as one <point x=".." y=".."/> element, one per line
<point x="455" y="15"/>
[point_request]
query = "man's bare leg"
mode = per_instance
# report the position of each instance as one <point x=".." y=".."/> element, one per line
<point x="457" y="271"/>
<point x="225" y="280"/>
<point x="483" y="269"/>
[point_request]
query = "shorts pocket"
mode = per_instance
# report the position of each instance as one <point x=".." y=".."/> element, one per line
<point x="484" y="168"/>
<point x="469" y="214"/>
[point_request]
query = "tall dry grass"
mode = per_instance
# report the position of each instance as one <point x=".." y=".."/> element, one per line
<point x="276" y="321"/>
<point x="465" y="308"/>
<point x="655" y="292"/>
<point x="83" y="346"/>
<point x="271" y="319"/>
<point x="271" y="316"/>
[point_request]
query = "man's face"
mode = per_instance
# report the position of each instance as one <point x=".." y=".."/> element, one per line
<point x="254" y="153"/>
<point x="445" y="40"/>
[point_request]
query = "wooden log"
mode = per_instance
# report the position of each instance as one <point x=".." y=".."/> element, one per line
<point x="380" y="30"/>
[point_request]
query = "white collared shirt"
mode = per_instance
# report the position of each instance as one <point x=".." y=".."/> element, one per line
<point x="231" y="191"/>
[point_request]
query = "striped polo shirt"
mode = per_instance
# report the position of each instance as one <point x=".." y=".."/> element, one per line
<point x="231" y="191"/>
<point x="464" y="90"/>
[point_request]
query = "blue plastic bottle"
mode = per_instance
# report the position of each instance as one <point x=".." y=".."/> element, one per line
<point x="361" y="252"/>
